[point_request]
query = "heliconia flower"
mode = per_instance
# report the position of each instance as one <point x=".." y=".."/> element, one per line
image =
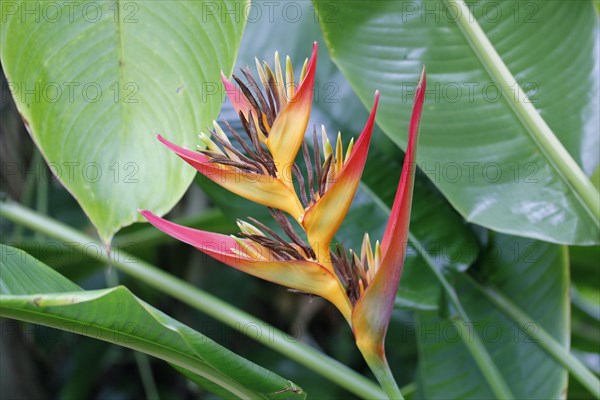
<point x="282" y="112"/>
<point x="380" y="271"/>
<point x="341" y="177"/>
<point x="363" y="287"/>
<point x="265" y="256"/>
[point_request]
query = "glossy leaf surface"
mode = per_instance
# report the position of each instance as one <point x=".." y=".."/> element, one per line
<point x="473" y="146"/>
<point x="95" y="82"/>
<point x="33" y="292"/>
<point x="535" y="276"/>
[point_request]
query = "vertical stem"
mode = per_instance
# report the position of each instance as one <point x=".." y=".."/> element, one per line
<point x="143" y="364"/>
<point x="141" y="359"/>
<point x="384" y="375"/>
<point x="483" y="360"/>
<point x="28" y="190"/>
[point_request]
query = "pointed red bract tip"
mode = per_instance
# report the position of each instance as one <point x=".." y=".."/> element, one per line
<point x="236" y="97"/>
<point x="191" y="157"/>
<point x="214" y="244"/>
<point x="401" y="208"/>
<point x="372" y="312"/>
<point x="364" y="140"/>
<point x="324" y="217"/>
<point x="310" y="68"/>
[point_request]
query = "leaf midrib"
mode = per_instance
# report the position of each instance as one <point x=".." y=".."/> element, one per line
<point x="563" y="164"/>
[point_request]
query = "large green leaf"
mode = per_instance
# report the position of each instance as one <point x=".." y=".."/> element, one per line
<point x="473" y="146"/>
<point x="535" y="276"/>
<point x="33" y="292"/>
<point x="438" y="234"/>
<point x="95" y="81"/>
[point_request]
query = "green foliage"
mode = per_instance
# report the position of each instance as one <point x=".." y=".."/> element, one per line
<point x="482" y="171"/>
<point x="33" y="292"/>
<point x="473" y="146"/>
<point x="94" y="83"/>
<point x="536" y="276"/>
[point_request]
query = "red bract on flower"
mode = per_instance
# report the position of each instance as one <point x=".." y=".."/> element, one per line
<point x="364" y="287"/>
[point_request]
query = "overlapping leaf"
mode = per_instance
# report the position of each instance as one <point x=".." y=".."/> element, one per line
<point x="473" y="146"/>
<point x="31" y="291"/>
<point x="535" y="276"/>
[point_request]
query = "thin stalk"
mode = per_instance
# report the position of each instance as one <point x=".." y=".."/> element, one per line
<point x="28" y="190"/>
<point x="542" y="338"/>
<point x="198" y="299"/>
<point x="409" y="390"/>
<point x="384" y="376"/>
<point x="471" y="339"/>
<point x="41" y="192"/>
<point x="143" y="364"/>
<point x="483" y="359"/>
<point x="589" y="308"/>
<point x="141" y="359"/>
<point x="525" y="111"/>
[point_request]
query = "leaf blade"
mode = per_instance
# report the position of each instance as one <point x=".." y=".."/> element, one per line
<point x="94" y="87"/>
<point x="473" y="147"/>
<point x="117" y="316"/>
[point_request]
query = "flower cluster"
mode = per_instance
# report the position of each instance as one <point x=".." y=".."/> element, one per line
<point x="261" y="167"/>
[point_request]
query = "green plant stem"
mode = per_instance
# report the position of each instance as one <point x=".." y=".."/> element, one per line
<point x="198" y="299"/>
<point x="471" y="339"/>
<point x="525" y="111"/>
<point x="141" y="359"/>
<point x="143" y="364"/>
<point x="589" y="308"/>
<point x="384" y="376"/>
<point x="409" y="390"/>
<point x="28" y="190"/>
<point x="541" y="337"/>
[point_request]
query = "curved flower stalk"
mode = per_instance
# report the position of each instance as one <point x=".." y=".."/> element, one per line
<point x="364" y="287"/>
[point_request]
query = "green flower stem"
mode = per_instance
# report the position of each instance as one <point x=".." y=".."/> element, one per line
<point x="525" y="111"/>
<point x="143" y="364"/>
<point x="198" y="299"/>
<point x="141" y="359"/>
<point x="409" y="390"/>
<point x="541" y="337"/>
<point x="384" y="376"/>
<point x="471" y="339"/>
